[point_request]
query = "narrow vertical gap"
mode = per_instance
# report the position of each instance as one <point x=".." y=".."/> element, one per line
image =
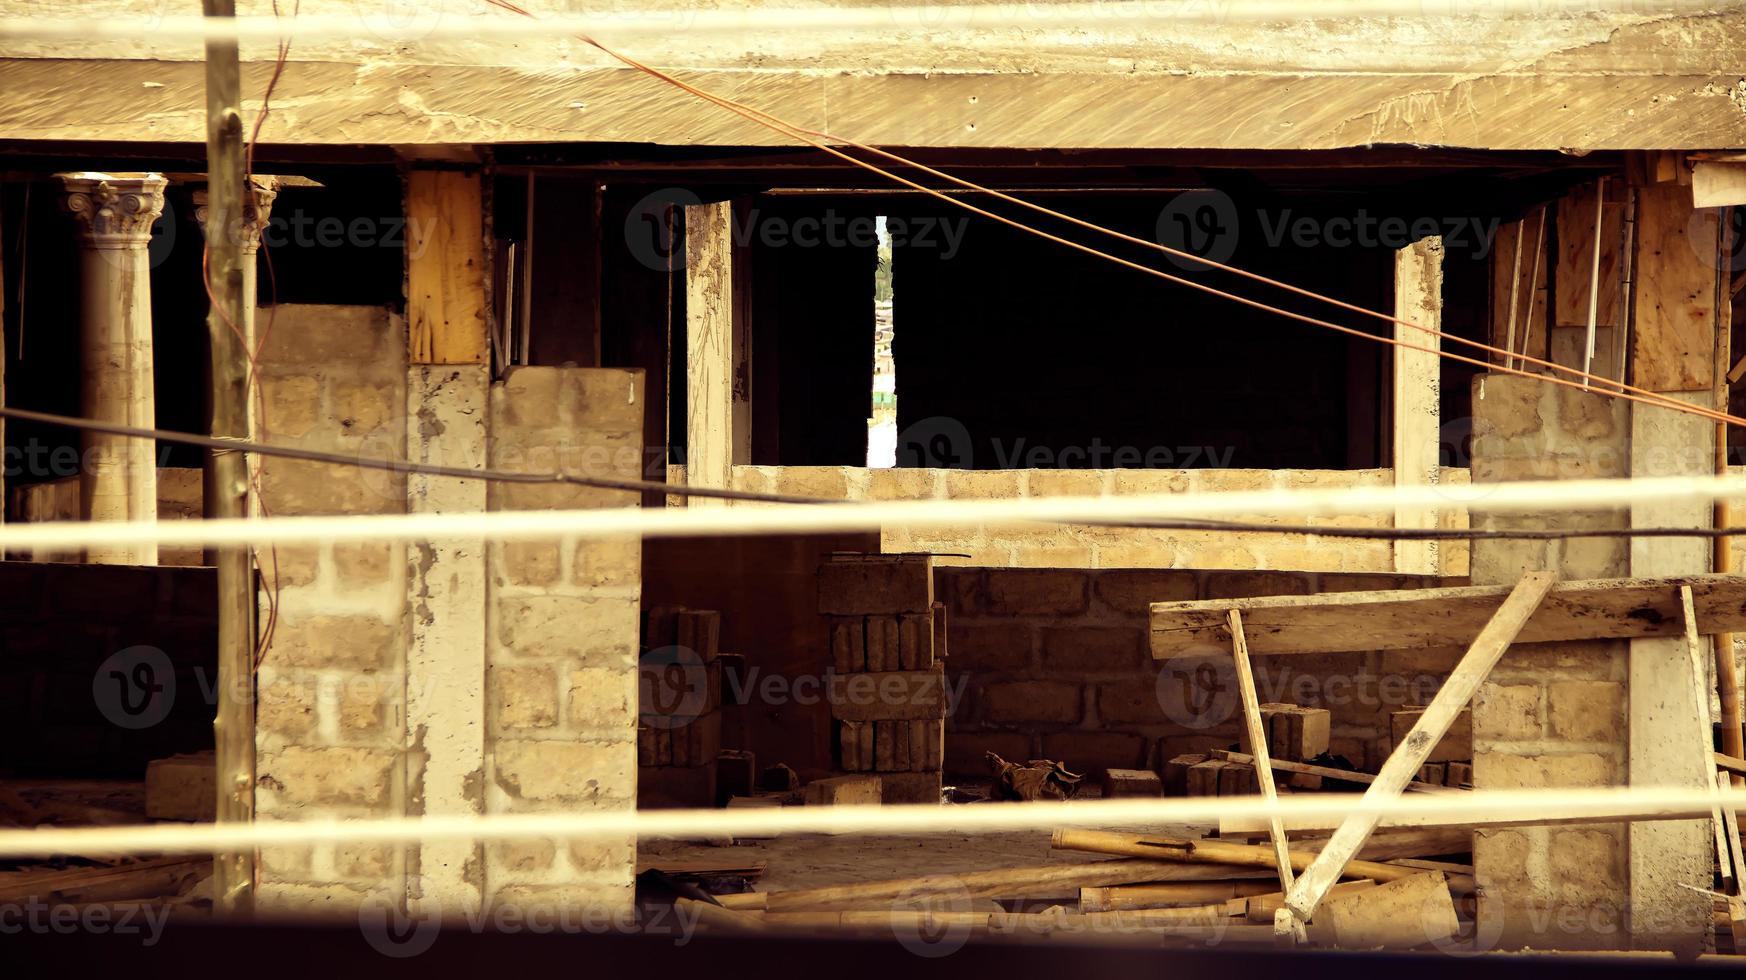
<point x="882" y="423"/>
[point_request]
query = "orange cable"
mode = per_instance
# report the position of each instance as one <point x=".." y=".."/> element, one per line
<point x="1628" y="392"/>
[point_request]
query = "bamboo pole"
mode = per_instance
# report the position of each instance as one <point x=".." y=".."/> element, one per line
<point x="1213" y="852"/>
<point x="1005" y="883"/>
<point x="226" y="472"/>
<point x="1169" y="894"/>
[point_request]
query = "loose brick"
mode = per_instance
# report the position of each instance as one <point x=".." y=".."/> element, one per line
<point x="844" y="791"/>
<point x="850" y="735"/>
<point x="357" y="642"/>
<point x="1175" y="776"/>
<point x="1093" y="648"/>
<point x="567" y="771"/>
<point x="1133" y="592"/>
<point x="525" y="697"/>
<point x="1037" y="592"/>
<point x="875" y="585"/>
<point x="1203" y="777"/>
<point x="1586" y="711"/>
<point x="1032" y="701"/>
<point x="990" y="645"/>
<point x="301" y="775"/>
<point x="699" y="630"/>
<point x="926" y="742"/>
<point x="1131" y="782"/>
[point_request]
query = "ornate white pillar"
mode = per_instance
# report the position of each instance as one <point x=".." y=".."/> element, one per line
<point x="118" y="477"/>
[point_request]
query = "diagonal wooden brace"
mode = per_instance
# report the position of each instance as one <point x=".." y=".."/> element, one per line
<point x="1403" y="764"/>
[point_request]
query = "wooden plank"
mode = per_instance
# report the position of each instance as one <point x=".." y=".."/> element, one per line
<point x="446" y="310"/>
<point x="1257" y="739"/>
<point x="1418" y="299"/>
<point x="1736" y="907"/>
<point x="1326" y="772"/>
<point x="1701" y="692"/>
<point x="1414" y="619"/>
<point x="1407" y="757"/>
<point x="1576" y="257"/>
<point x="709" y="348"/>
<point x="1673" y="330"/>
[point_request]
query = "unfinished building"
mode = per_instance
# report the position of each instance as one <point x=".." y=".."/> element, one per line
<point x="520" y="255"/>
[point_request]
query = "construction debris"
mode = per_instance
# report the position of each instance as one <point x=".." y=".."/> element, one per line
<point x="1038" y="779"/>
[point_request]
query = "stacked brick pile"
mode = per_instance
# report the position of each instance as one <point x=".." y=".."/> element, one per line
<point x="679" y="734"/>
<point x="1294" y="734"/>
<point x="888" y="690"/>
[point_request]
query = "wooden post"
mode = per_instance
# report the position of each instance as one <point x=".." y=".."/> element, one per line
<point x="1257" y="738"/>
<point x="1418" y="298"/>
<point x="227" y="472"/>
<point x="714" y="339"/>
<point x="1406" y="759"/>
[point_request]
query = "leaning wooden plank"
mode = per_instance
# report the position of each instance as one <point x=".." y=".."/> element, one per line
<point x="1701" y="697"/>
<point x="1420" y="618"/>
<point x="1209" y="851"/>
<point x="1731" y="764"/>
<point x="1407" y="757"/>
<point x="1736" y="905"/>
<point x="1049" y="879"/>
<point x="1257" y="732"/>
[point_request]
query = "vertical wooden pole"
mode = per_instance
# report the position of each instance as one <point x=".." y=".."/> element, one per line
<point x="709" y="348"/>
<point x="226" y="473"/>
<point x="1418" y="298"/>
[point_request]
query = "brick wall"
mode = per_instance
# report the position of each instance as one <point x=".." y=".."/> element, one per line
<point x="61" y="712"/>
<point x="1053" y="663"/>
<point x="557" y="622"/>
<point x="562" y="634"/>
<point x="1551" y="714"/>
<point x="1094" y="547"/>
<point x="330" y="731"/>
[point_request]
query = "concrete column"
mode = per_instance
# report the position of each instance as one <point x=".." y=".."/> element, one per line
<point x="118" y="477"/>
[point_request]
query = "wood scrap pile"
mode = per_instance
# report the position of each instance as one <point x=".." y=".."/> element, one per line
<point x="1194" y="889"/>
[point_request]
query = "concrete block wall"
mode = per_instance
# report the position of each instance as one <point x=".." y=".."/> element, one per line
<point x="329" y="715"/>
<point x="1551" y="714"/>
<point x="1097" y="547"/>
<point x="1053" y="663"/>
<point x="562" y="627"/>
<point x="445" y="679"/>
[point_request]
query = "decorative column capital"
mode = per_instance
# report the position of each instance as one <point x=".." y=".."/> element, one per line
<point x="258" y="196"/>
<point x="114" y="211"/>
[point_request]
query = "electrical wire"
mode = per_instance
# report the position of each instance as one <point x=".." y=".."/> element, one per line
<point x="815" y="139"/>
